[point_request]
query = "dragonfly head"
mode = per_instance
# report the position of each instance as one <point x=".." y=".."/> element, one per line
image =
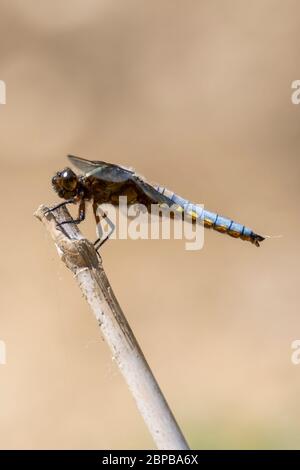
<point x="65" y="183"/>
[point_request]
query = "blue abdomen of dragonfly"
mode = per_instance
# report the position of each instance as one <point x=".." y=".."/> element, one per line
<point x="211" y="219"/>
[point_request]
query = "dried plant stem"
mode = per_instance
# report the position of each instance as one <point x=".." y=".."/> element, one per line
<point x="80" y="257"/>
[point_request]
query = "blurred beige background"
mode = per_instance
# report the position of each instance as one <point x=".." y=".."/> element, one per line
<point x="195" y="95"/>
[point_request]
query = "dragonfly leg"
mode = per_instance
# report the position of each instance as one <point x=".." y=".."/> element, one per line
<point x="61" y="204"/>
<point x="100" y="240"/>
<point x="81" y="215"/>
<point x="98" y="243"/>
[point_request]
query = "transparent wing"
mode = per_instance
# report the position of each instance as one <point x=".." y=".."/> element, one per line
<point x="117" y="174"/>
<point x="102" y="170"/>
<point x="151" y="191"/>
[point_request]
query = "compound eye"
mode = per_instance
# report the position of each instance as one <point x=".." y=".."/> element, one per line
<point x="55" y="180"/>
<point x="69" y="179"/>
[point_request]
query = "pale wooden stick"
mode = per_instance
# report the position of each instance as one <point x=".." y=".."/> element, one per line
<point x="80" y="257"/>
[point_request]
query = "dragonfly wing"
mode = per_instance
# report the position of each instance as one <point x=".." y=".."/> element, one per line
<point x="102" y="170"/>
<point x="150" y="191"/>
<point x="84" y="165"/>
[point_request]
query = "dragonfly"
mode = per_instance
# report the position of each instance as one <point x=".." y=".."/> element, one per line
<point x="103" y="183"/>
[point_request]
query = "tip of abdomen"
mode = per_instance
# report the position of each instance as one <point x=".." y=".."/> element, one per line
<point x="257" y="239"/>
